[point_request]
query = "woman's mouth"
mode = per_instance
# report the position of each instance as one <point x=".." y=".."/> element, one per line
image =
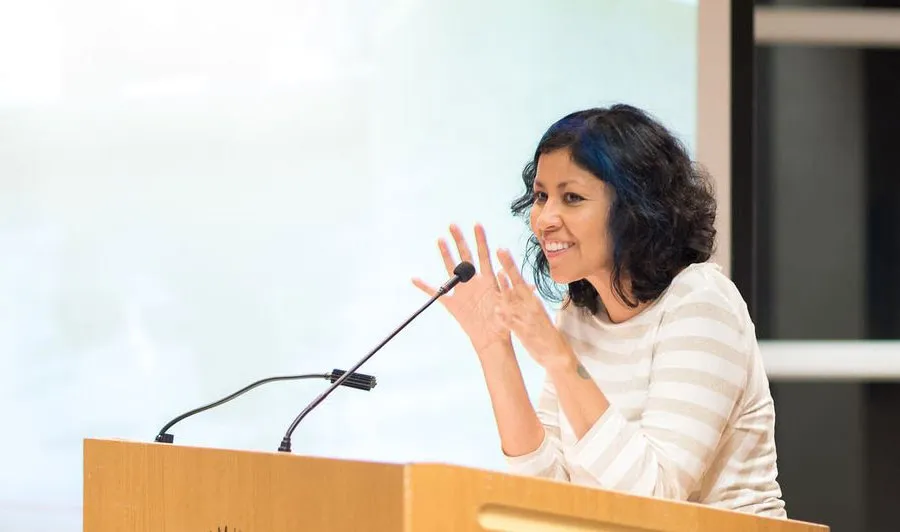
<point x="555" y="248"/>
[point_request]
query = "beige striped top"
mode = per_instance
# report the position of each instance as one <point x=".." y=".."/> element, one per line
<point x="690" y="416"/>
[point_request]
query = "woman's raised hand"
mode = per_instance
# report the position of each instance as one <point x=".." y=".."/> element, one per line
<point x="473" y="304"/>
<point x="521" y="311"/>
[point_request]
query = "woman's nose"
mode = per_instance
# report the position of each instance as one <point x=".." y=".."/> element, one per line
<point x="548" y="217"/>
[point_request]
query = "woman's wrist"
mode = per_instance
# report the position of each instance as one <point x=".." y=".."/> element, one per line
<point x="560" y="361"/>
<point x="499" y="349"/>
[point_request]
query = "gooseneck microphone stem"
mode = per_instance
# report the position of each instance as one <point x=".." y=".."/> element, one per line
<point x="463" y="272"/>
<point x="357" y="380"/>
<point x="286" y="441"/>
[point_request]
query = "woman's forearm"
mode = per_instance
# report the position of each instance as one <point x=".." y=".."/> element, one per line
<point x="520" y="430"/>
<point x="580" y="399"/>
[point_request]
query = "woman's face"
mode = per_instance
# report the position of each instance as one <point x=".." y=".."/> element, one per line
<point x="569" y="218"/>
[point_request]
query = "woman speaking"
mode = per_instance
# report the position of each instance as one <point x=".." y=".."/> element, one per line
<point x="654" y="381"/>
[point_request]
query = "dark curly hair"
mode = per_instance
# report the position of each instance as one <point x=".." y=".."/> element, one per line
<point x="662" y="215"/>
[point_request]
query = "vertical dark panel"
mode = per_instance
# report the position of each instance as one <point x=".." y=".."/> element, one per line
<point x="882" y="456"/>
<point x="762" y="171"/>
<point x="821" y="439"/>
<point x="882" y="85"/>
<point x="743" y="189"/>
<point x="883" y="225"/>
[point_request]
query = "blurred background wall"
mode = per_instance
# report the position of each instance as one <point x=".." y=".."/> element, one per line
<point x="196" y="194"/>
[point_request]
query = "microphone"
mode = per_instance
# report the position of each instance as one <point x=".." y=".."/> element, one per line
<point x="461" y="274"/>
<point x="355" y="380"/>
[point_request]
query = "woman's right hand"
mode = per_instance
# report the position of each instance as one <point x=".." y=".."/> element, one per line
<point x="473" y="304"/>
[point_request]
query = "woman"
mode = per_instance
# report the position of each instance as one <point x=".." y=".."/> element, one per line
<point x="654" y="382"/>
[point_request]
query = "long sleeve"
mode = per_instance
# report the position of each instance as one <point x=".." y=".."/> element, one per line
<point x="547" y="460"/>
<point x="699" y="366"/>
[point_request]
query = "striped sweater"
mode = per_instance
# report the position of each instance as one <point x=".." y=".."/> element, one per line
<point x="690" y="417"/>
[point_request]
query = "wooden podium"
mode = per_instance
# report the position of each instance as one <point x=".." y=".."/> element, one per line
<point x="152" y="487"/>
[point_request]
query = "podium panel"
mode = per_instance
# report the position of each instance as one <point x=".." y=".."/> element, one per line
<point x="152" y="487"/>
<point x="449" y="498"/>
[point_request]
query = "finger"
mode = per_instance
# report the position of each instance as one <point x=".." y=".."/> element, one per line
<point x="509" y="266"/>
<point x="425" y="287"/>
<point x="463" y="247"/>
<point x="484" y="254"/>
<point x="449" y="262"/>
<point x="503" y="281"/>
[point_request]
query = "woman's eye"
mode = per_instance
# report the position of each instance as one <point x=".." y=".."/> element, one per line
<point x="539" y="197"/>
<point x="572" y="198"/>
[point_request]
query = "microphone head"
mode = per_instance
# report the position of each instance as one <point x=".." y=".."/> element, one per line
<point x="464" y="270"/>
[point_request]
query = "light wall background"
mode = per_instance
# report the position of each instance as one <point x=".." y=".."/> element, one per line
<point x="198" y="194"/>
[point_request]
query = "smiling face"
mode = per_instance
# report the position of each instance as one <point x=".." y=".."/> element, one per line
<point x="569" y="218"/>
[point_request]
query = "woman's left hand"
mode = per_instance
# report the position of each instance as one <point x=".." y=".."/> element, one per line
<point x="521" y="311"/>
